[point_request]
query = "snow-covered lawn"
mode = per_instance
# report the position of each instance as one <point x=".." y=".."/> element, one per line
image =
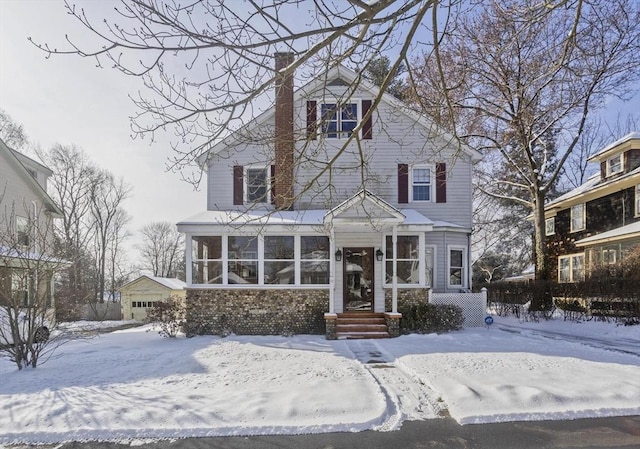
<point x="133" y="384"/>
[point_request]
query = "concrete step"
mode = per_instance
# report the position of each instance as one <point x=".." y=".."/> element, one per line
<point x="361" y="335"/>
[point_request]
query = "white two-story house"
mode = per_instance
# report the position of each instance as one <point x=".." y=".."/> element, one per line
<point x="26" y="232"/>
<point x="329" y="204"/>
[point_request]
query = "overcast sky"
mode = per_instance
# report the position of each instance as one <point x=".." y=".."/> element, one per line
<point x="68" y="100"/>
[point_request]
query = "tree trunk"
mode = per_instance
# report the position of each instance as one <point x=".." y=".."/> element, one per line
<point x="542" y="300"/>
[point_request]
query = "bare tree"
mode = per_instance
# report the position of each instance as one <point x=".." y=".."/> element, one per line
<point x="162" y="249"/>
<point x="12" y="133"/>
<point x="27" y="264"/>
<point x="106" y="209"/>
<point x="520" y="82"/>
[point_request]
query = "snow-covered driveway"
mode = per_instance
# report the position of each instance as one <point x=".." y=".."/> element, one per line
<point x="133" y="384"/>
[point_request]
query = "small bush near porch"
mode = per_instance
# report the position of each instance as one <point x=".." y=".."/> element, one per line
<point x="429" y="318"/>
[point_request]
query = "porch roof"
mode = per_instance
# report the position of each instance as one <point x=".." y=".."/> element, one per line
<point x="215" y="219"/>
<point x="624" y="232"/>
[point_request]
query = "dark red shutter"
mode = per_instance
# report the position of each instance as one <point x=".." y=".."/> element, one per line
<point x="273" y="184"/>
<point x="238" y="185"/>
<point x="403" y="183"/>
<point x="441" y="182"/>
<point x="367" y="130"/>
<point x="312" y="118"/>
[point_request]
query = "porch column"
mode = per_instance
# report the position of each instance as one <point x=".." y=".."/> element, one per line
<point x="332" y="270"/>
<point x="188" y="263"/>
<point x="394" y="289"/>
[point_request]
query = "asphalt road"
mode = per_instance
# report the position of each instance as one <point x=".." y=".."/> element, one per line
<point x="597" y="433"/>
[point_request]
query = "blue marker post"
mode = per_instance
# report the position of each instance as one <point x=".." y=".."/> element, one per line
<point x="488" y="321"/>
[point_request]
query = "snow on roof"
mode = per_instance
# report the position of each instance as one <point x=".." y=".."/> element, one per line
<point x="172" y="283"/>
<point x="628" y="231"/>
<point x="630" y="136"/>
<point x="313" y="217"/>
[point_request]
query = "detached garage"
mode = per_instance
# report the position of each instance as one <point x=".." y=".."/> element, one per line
<point x="139" y="295"/>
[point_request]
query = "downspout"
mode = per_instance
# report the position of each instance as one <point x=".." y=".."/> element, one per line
<point x="469" y="276"/>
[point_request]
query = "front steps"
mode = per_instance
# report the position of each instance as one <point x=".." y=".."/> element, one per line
<point x="352" y="325"/>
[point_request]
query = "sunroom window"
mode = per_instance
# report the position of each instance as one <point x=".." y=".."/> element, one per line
<point x="279" y="259"/>
<point x="314" y="260"/>
<point x="242" y="257"/>
<point x="407" y="259"/>
<point x="206" y="259"/>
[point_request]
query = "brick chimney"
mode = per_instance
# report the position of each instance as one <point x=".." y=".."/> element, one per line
<point x="284" y="142"/>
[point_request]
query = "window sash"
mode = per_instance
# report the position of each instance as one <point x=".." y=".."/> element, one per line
<point x="421" y="183"/>
<point x="456" y="267"/>
<point x="571" y="268"/>
<point x="337" y="121"/>
<point x="550" y="226"/>
<point x="614" y="165"/>
<point x="578" y="217"/>
<point x="257" y="185"/>
<point x="638" y="200"/>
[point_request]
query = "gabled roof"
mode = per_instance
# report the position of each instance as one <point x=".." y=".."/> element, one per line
<point x="593" y="185"/>
<point x="611" y="148"/>
<point x="364" y="205"/>
<point x="170" y="283"/>
<point x="15" y="159"/>
<point x="318" y="83"/>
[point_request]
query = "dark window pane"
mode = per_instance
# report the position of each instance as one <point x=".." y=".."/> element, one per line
<point x="278" y="247"/>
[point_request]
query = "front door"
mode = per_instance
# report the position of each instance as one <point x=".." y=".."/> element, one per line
<point x="358" y="279"/>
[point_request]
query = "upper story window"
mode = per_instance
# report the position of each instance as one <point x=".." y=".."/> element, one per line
<point x="578" y="217"/>
<point x="22" y="231"/>
<point x="338" y="122"/>
<point x="638" y="200"/>
<point x="550" y="226"/>
<point x="421" y="183"/>
<point x="614" y="165"/>
<point x="257" y="184"/>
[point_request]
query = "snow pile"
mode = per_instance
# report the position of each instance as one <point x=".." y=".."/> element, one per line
<point x="133" y="384"/>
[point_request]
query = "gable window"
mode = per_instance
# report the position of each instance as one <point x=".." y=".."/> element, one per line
<point x="338" y="122"/>
<point x="457" y="272"/>
<point x="550" y="226"/>
<point x="421" y="183"/>
<point x="571" y="268"/>
<point x="256" y="185"/>
<point x="614" y="165"/>
<point x="578" y="217"/>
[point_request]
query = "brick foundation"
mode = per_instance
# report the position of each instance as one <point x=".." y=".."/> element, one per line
<point x="256" y="311"/>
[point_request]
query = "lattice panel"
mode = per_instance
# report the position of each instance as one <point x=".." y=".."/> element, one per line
<point x="473" y="305"/>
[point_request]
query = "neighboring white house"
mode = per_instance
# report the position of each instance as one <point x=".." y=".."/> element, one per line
<point x="26" y="232"/>
<point x="142" y="293"/>
<point x="285" y="246"/>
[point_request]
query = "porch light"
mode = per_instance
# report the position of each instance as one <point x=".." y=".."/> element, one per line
<point x="338" y="256"/>
<point x="379" y="255"/>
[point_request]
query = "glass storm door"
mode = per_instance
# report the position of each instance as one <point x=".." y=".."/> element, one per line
<point x="357" y="268"/>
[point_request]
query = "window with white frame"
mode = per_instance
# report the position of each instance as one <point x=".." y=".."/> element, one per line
<point x="571" y="268"/>
<point x="638" y="200"/>
<point x="614" y="165"/>
<point x="242" y="258"/>
<point x="421" y="183"/>
<point x="429" y="262"/>
<point x="257" y="185"/>
<point x="314" y="259"/>
<point x="338" y="121"/>
<point x="22" y="231"/>
<point x="20" y="283"/>
<point x="550" y="226"/>
<point x="457" y="272"/>
<point x="206" y="260"/>
<point x="407" y="259"/>
<point x="279" y="259"/>
<point x="609" y="256"/>
<point x="578" y="217"/>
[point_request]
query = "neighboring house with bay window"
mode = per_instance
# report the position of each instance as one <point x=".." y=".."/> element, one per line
<point x="597" y="223"/>
<point x="289" y="244"/>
